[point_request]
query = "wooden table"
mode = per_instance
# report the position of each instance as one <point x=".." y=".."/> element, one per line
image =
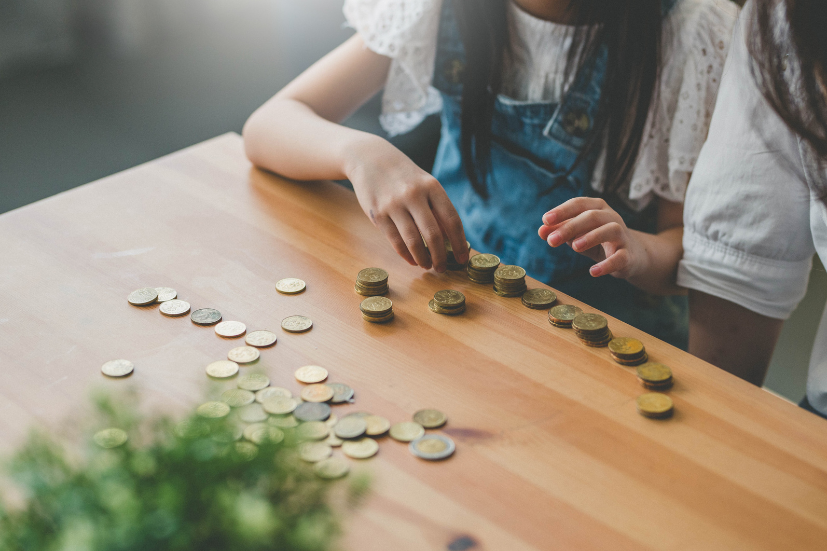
<point x="551" y="453"/>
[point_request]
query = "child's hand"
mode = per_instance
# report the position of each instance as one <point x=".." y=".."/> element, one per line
<point x="594" y="229"/>
<point x="404" y="201"/>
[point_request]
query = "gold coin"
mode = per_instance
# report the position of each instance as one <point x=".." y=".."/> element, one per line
<point x="213" y="410"/>
<point x="643" y="358"/>
<point x="589" y="323"/>
<point x="371" y="276"/>
<point x="655" y="405"/>
<point x="376" y="305"/>
<point x="449" y="298"/>
<point x="653" y="372"/>
<point x="383" y="319"/>
<point x="430" y="418"/>
<point x="407" y="431"/>
<point x="117" y="368"/>
<point x="313" y="452"/>
<point x="253" y="381"/>
<point x="332" y="468"/>
<point x="246" y="450"/>
<point x="279" y="405"/>
<point x="230" y="329"/>
<point x="376" y="425"/>
<point x="283" y="421"/>
<point x="174" y="308"/>
<point x="317" y="393"/>
<point x="165" y="294"/>
<point x="290" y="286"/>
<point x="564" y="313"/>
<point x="222" y="369"/>
<point x="539" y="299"/>
<point x="252" y="413"/>
<point x="360" y="449"/>
<point x="509" y="273"/>
<point x="484" y="261"/>
<point x="350" y="426"/>
<point x="313" y="430"/>
<point x="272" y="392"/>
<point x="243" y="354"/>
<point x="236" y="397"/>
<point x="261" y="338"/>
<point x="110" y="438"/>
<point x="142" y="297"/>
<point x="310" y="374"/>
<point x="448" y="312"/>
<point x="626" y="346"/>
<point x="296" y="324"/>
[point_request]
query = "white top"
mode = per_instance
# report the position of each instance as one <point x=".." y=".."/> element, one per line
<point x="751" y="222"/>
<point x="695" y="40"/>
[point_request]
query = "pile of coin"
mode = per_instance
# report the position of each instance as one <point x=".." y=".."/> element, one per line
<point x="372" y="282"/>
<point x="654" y="376"/>
<point x="563" y="315"/>
<point x="509" y="281"/>
<point x="481" y="267"/>
<point x="592" y="329"/>
<point x="655" y="405"/>
<point x="628" y="351"/>
<point x="538" y="299"/>
<point x="377" y="309"/>
<point x="448" y="302"/>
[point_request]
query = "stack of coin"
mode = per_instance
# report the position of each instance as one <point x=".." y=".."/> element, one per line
<point x="562" y="315"/>
<point x="654" y="376"/>
<point x="481" y="268"/>
<point x="372" y="282"/>
<point x="509" y="281"/>
<point x="452" y="263"/>
<point x="592" y="329"/>
<point x="538" y="299"/>
<point x="628" y="351"/>
<point x="377" y="309"/>
<point x="448" y="302"/>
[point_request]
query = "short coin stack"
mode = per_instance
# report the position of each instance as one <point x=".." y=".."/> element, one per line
<point x="481" y="268"/>
<point x="563" y="315"/>
<point x="372" y="282"/>
<point x="628" y="351"/>
<point x="377" y="309"/>
<point x="448" y="302"/>
<point x="539" y="299"/>
<point x="509" y="281"/>
<point x="592" y="329"/>
<point x="654" y="376"/>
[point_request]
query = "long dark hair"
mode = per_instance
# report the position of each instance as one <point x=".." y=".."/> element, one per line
<point x="629" y="29"/>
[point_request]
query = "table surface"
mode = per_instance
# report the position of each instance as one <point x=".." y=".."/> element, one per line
<point x="551" y="453"/>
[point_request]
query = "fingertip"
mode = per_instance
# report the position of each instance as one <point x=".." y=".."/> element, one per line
<point x="549" y="218"/>
<point x="596" y="270"/>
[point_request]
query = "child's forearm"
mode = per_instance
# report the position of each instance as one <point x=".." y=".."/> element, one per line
<point x="660" y="253"/>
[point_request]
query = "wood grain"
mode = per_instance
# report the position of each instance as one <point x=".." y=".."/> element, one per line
<point x="551" y="453"/>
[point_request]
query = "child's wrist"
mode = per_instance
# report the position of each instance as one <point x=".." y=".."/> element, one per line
<point x="356" y="152"/>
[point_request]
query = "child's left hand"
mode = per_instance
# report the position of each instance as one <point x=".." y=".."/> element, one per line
<point x="591" y="227"/>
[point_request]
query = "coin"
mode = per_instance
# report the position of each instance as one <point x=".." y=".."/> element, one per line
<point x="484" y="261"/>
<point x="350" y="427"/>
<point x="246" y="450"/>
<point x="333" y="440"/>
<point x="341" y="393"/>
<point x="213" y="410"/>
<point x="332" y="420"/>
<point x="312" y="411"/>
<point x="510" y="273"/>
<point x="372" y="275"/>
<point x="313" y="430"/>
<point x="230" y="329"/>
<point x="430" y="418"/>
<point x="296" y="324"/>
<point x="258" y="433"/>
<point x="252" y="413"/>
<point x="376" y="425"/>
<point x="290" y="286"/>
<point x="283" y="421"/>
<point x="449" y="298"/>
<point x="117" y="368"/>
<point x="626" y="346"/>
<point x="332" y="468"/>
<point x="590" y="323"/>
<point x="166" y="293"/>
<point x="313" y="452"/>
<point x="192" y="428"/>
<point x="205" y="316"/>
<point x="222" y="369"/>
<point x="271" y="392"/>
<point x="261" y="338"/>
<point x="360" y="449"/>
<point x="279" y="405"/>
<point x="110" y="438"/>
<point x="653" y="372"/>
<point x="450" y="312"/>
<point x="253" y="381"/>
<point x="563" y="315"/>
<point x="406" y="431"/>
<point x="655" y="405"/>
<point x="227" y="434"/>
<point x="432" y="447"/>
<point x="243" y="354"/>
<point x="174" y="308"/>
<point x="236" y="397"/>
<point x="539" y="299"/>
<point x="317" y="393"/>
<point x="142" y="297"/>
<point x="310" y="374"/>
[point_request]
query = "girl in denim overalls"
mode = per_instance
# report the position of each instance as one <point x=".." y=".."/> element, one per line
<point x="535" y="145"/>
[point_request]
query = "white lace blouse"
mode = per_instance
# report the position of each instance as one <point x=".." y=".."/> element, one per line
<point x="695" y="41"/>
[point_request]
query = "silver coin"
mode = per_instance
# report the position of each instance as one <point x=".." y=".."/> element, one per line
<point x="312" y="411"/>
<point x="261" y="338"/>
<point x="236" y="397"/>
<point x="205" y="316"/>
<point x="350" y="427"/>
<point x="252" y="413"/>
<point x="432" y="447"/>
<point x="166" y="293"/>
<point x="341" y="393"/>
<point x="118" y="368"/>
<point x="174" y="307"/>
<point x="142" y="297"/>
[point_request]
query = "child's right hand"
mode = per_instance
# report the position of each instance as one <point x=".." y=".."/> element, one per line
<point x="406" y="203"/>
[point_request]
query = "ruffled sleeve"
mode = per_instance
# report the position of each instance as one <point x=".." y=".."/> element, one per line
<point x="405" y="31"/>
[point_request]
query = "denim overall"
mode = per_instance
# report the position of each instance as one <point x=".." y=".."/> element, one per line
<point x="533" y="145"/>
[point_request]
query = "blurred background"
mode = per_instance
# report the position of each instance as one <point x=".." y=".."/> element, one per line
<point x="92" y="87"/>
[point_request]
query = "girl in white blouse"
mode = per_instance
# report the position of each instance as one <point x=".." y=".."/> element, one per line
<point x="582" y="117"/>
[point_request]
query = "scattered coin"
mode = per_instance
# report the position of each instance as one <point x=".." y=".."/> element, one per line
<point x="655" y="376"/>
<point x="407" y="431"/>
<point x="432" y="447"/>
<point x="117" y="368"/>
<point x="376" y="425"/>
<point x="110" y="438"/>
<point x="174" y="308"/>
<point x="236" y="397"/>
<point x="165" y="294"/>
<point x="350" y="427"/>
<point x="341" y="393"/>
<point x="252" y="413"/>
<point x="333" y="440"/>
<point x="313" y="430"/>
<point x="539" y="299"/>
<point x="481" y="268"/>
<point x="310" y="374"/>
<point x="372" y="282"/>
<point x="430" y="418"/>
<point x="311" y="411"/>
<point x="290" y="286"/>
<point x="258" y="433"/>
<point x="230" y="329"/>
<point x="283" y="421"/>
<point x="317" y="393"/>
<point x="243" y="354"/>
<point x="296" y="324"/>
<point x="563" y="315"/>
<point x="253" y="381"/>
<point x="246" y="450"/>
<point x="261" y="338"/>
<point x="655" y="405"/>
<point x="205" y="316"/>
<point x="143" y="297"/>
<point x="509" y="281"/>
<point x="592" y="330"/>
<point x="360" y="449"/>
<point x="332" y="468"/>
<point x="313" y="452"/>
<point x="271" y="392"/>
<point x="222" y="369"/>
<point x="227" y="434"/>
<point x="377" y="309"/>
<point x="213" y="410"/>
<point x="192" y="428"/>
<point x="279" y="405"/>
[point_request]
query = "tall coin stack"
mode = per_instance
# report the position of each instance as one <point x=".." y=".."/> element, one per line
<point x="377" y="309"/>
<point x="481" y="268"/>
<point x="448" y="302"/>
<point x="592" y="329"/>
<point x="372" y="282"/>
<point x="509" y="281"/>
<point x="628" y="351"/>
